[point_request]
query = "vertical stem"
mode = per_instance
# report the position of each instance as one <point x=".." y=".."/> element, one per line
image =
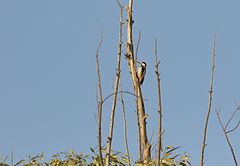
<point x="159" y="108"/>
<point x="209" y="104"/>
<point x="12" y="156"/>
<point x="99" y="104"/>
<point x="139" y="136"/>
<point x="138" y="42"/>
<point x="146" y="147"/>
<point x="110" y="135"/>
<point x="125" y="129"/>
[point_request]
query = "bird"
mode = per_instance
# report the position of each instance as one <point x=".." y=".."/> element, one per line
<point x="141" y="72"/>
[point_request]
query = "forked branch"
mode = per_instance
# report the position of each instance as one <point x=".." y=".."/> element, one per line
<point x="227" y="138"/>
<point x="145" y="145"/>
<point x="230" y="119"/>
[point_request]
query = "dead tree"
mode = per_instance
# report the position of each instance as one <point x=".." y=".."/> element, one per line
<point x="145" y="145"/>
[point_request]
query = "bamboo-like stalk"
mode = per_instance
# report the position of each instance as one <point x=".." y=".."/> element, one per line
<point x="11" y="157"/>
<point x="99" y="105"/>
<point x="146" y="147"/>
<point x="125" y="128"/>
<point x="159" y="146"/>
<point x="139" y="136"/>
<point x="209" y="104"/>
<point x="137" y="112"/>
<point x="111" y="125"/>
<point x="227" y="139"/>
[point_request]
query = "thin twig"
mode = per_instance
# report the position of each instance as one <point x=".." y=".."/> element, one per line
<point x="138" y="42"/>
<point x="99" y="103"/>
<point x="127" y="92"/>
<point x="125" y="129"/>
<point x="209" y="104"/>
<point x="229" y="131"/>
<point x="237" y="109"/>
<point x="159" y="107"/>
<point x="151" y="138"/>
<point x="111" y="125"/>
<point x="119" y="4"/>
<point x="227" y="139"/>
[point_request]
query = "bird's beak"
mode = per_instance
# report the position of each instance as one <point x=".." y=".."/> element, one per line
<point x="139" y="63"/>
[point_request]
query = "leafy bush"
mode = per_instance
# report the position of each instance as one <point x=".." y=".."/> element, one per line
<point x="70" y="158"/>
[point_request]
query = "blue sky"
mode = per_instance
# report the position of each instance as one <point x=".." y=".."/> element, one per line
<point x="48" y="78"/>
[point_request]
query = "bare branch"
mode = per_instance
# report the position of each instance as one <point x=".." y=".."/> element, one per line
<point x="151" y="138"/>
<point x="159" y="108"/>
<point x="209" y="104"/>
<point x="99" y="103"/>
<point x="237" y="109"/>
<point x="139" y="135"/>
<point x="233" y="128"/>
<point x="111" y="125"/>
<point x="139" y="38"/>
<point x="146" y="147"/>
<point x="119" y="4"/>
<point x="125" y="129"/>
<point x="226" y="137"/>
<point x="106" y="98"/>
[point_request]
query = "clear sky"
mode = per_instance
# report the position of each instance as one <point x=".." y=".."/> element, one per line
<point x="48" y="78"/>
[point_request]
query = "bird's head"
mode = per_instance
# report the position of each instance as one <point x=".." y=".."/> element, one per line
<point x="143" y="64"/>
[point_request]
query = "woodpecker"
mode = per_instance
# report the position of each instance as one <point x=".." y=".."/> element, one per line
<point x="141" y="72"/>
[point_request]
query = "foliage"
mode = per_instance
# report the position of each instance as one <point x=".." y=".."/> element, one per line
<point x="70" y="158"/>
<point x="116" y="158"/>
<point x="2" y="164"/>
<point x="169" y="158"/>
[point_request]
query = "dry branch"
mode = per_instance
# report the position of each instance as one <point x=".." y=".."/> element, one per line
<point x="229" y="131"/>
<point x="146" y="147"/>
<point x="209" y="104"/>
<point x="111" y="125"/>
<point x="159" y="108"/>
<point x="139" y="135"/>
<point x="138" y="42"/>
<point x="227" y="138"/>
<point x="99" y="104"/>
<point x="125" y="128"/>
<point x="126" y="92"/>
<point x="230" y="119"/>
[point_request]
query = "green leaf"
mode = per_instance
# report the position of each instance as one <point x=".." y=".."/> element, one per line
<point x="19" y="162"/>
<point x="125" y="160"/>
<point x="173" y="149"/>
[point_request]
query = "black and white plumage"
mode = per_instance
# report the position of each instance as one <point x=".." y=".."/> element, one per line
<point x="141" y="72"/>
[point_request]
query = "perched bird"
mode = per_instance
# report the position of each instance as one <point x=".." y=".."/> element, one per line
<point x="141" y="72"/>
